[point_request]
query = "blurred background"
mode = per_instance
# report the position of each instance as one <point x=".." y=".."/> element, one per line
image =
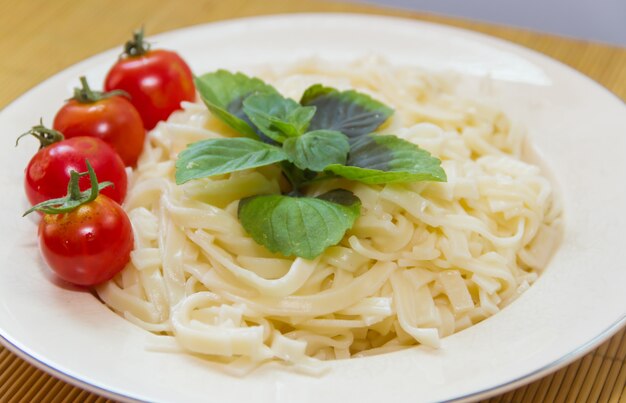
<point x="594" y="20"/>
<point x="42" y="37"/>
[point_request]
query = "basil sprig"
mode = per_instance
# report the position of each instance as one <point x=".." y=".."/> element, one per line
<point x="328" y="134"/>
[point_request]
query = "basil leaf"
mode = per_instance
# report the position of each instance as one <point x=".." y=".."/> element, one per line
<point x="376" y="159"/>
<point x="278" y="117"/>
<point x="316" y="150"/>
<point x="350" y="112"/>
<point x="299" y="226"/>
<point x="219" y="156"/>
<point x="223" y="93"/>
<point x="340" y="196"/>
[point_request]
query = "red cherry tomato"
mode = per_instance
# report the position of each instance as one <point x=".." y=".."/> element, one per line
<point x="157" y="80"/>
<point x="85" y="237"/>
<point x="88" y="245"/>
<point x="48" y="172"/>
<point x="109" y="117"/>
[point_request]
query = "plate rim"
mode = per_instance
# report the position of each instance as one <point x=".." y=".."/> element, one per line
<point x="480" y="394"/>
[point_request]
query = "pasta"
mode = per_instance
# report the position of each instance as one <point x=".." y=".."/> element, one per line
<point x="423" y="261"/>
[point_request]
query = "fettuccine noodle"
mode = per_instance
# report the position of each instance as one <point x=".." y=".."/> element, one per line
<point x="423" y="261"/>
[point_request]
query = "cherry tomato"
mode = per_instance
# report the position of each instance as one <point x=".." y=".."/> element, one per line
<point x="85" y="237"/>
<point x="108" y="116"/>
<point x="89" y="245"/>
<point x="157" y="80"/>
<point x="48" y="172"/>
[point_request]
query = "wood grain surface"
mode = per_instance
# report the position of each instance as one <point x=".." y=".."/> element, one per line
<point x="39" y="38"/>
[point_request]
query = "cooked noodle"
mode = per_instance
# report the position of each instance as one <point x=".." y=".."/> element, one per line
<point x="423" y="261"/>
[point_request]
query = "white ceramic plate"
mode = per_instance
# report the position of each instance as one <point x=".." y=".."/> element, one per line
<point x="578" y="126"/>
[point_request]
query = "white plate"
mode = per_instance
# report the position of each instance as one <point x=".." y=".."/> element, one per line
<point x="578" y="126"/>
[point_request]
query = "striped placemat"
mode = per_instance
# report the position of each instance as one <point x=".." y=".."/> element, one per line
<point x="84" y="27"/>
<point x="600" y="376"/>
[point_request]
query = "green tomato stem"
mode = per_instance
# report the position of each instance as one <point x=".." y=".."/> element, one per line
<point x="136" y="46"/>
<point x="85" y="95"/>
<point x="45" y="136"/>
<point x="73" y="190"/>
<point x="74" y="198"/>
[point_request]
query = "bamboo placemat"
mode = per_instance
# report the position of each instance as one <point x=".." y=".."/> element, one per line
<point x="33" y="31"/>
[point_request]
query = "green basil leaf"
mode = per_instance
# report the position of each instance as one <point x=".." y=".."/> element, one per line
<point x="223" y="93"/>
<point x="341" y="196"/>
<point x="219" y="156"/>
<point x="316" y="150"/>
<point x="376" y="159"/>
<point x="350" y="112"/>
<point x="278" y="117"/>
<point x="299" y="226"/>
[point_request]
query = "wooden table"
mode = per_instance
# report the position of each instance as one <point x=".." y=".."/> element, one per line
<point x="32" y="31"/>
